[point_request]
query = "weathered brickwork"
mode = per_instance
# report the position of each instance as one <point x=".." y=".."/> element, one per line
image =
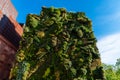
<point x="10" y="35"/>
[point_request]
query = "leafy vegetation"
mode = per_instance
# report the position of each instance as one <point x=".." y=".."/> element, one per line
<point x="112" y="72"/>
<point x="58" y="45"/>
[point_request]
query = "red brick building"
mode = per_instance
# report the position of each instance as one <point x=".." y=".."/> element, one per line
<point x="10" y="35"/>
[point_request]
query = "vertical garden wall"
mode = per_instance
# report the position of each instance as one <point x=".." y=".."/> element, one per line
<point x="58" y="45"/>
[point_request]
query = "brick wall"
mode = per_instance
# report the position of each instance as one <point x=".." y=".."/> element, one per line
<point x="7" y="57"/>
<point x="11" y="30"/>
<point x="7" y="8"/>
<point x="10" y="35"/>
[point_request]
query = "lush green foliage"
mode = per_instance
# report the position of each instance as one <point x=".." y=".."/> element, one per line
<point x="112" y="72"/>
<point x="58" y="45"/>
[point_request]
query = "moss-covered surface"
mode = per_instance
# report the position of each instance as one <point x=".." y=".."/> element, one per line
<point x="58" y="45"/>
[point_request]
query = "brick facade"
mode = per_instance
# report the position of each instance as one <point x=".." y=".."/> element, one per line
<point x="10" y="35"/>
<point x="8" y="9"/>
<point x="7" y="57"/>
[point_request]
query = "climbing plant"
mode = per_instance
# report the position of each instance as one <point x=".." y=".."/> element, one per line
<point x="58" y="45"/>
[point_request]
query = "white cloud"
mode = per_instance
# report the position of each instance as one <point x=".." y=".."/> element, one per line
<point x="109" y="48"/>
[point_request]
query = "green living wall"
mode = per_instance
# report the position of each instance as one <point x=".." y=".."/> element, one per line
<point x="57" y="45"/>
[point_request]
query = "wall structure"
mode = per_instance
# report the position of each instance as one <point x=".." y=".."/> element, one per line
<point x="10" y="35"/>
<point x="8" y="9"/>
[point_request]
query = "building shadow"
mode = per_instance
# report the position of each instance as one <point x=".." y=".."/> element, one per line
<point x="7" y="53"/>
<point x="7" y="30"/>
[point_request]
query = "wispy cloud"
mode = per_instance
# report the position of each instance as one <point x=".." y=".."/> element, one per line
<point x="108" y="6"/>
<point x="109" y="18"/>
<point x="108" y="12"/>
<point x="109" y="48"/>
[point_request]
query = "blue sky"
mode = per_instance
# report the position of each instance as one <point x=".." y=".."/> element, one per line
<point x="105" y="15"/>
